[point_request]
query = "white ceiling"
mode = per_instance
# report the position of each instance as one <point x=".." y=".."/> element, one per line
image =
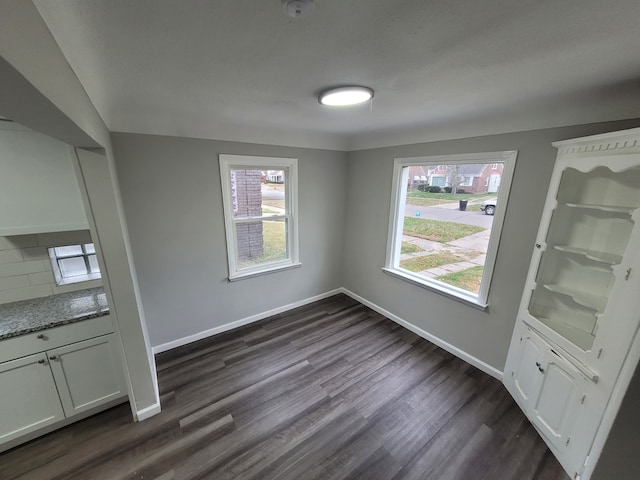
<point x="242" y="70"/>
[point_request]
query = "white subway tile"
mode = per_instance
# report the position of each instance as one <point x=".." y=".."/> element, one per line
<point x="18" y="241"/>
<point x="10" y="256"/>
<point x="26" y="293"/>
<point x="21" y="268"/>
<point x="41" y="278"/>
<point x="17" y="281"/>
<point x="35" y="253"/>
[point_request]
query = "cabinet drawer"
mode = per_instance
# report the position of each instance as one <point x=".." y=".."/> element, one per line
<point x="42" y="340"/>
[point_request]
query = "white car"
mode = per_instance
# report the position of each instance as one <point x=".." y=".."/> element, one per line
<point x="489" y="206"/>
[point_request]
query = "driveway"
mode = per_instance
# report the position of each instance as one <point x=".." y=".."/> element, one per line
<point x="448" y="214"/>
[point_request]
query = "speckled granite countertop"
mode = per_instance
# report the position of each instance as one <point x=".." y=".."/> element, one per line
<point x="27" y="316"/>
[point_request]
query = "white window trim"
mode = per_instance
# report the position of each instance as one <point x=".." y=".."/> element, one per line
<point x="245" y="162"/>
<point x="398" y="201"/>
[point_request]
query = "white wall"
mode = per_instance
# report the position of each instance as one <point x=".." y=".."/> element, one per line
<point x="483" y="335"/>
<point x="173" y="202"/>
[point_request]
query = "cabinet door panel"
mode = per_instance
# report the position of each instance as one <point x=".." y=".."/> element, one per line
<point x="29" y="400"/>
<point x="558" y="401"/>
<point x="527" y="376"/>
<point x="87" y="374"/>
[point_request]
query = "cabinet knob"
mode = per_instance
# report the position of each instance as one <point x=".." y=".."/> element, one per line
<point x="40" y="361"/>
<point x="40" y="336"/>
<point x="538" y="246"/>
<point x="53" y="357"/>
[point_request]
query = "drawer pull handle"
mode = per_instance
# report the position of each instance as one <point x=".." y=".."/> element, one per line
<point x="40" y="361"/>
<point x="40" y="336"/>
<point x="539" y="367"/>
<point x="53" y="357"/>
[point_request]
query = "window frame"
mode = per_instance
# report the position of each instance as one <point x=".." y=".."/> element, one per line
<point x="86" y="277"/>
<point x="229" y="162"/>
<point x="396" y="222"/>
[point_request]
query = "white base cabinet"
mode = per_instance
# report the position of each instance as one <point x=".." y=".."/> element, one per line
<point x="578" y="318"/>
<point x="29" y="399"/>
<point x="51" y="388"/>
<point x="87" y="374"/>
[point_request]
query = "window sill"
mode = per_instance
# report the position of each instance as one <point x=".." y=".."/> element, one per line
<point x="256" y="273"/>
<point x="451" y="292"/>
<point x="78" y="279"/>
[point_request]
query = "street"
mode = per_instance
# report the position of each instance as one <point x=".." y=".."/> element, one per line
<point x="448" y="214"/>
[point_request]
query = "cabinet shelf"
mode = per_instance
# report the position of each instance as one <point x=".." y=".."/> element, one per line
<point x="602" y="257"/>
<point x="602" y="208"/>
<point x="588" y="300"/>
<point x="578" y="337"/>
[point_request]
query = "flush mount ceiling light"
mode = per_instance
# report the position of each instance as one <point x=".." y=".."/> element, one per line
<point x="298" y="8"/>
<point x="344" y="96"/>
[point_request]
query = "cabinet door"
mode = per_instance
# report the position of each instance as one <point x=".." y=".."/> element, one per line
<point x="561" y="392"/>
<point x="87" y="374"/>
<point x="29" y="400"/>
<point x="527" y="377"/>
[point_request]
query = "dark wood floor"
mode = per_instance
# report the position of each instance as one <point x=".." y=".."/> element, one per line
<point x="331" y="390"/>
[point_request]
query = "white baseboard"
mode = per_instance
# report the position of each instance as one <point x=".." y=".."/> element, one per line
<point x="148" y="412"/>
<point x="240" y="323"/>
<point x="485" y="367"/>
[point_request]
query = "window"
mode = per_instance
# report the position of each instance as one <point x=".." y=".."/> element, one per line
<point x="447" y="241"/>
<point x="260" y="212"/>
<point x="74" y="263"/>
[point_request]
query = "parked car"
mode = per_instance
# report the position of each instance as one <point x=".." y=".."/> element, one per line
<point x="489" y="206"/>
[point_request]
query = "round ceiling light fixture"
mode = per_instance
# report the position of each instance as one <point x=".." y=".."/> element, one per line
<point x="298" y="8"/>
<point x="344" y="96"/>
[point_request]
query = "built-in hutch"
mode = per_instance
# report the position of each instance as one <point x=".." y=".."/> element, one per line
<point x="581" y="303"/>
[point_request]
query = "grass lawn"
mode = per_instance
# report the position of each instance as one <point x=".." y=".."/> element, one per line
<point x="474" y="208"/>
<point x="417" y="264"/>
<point x="273" y="202"/>
<point x="410" y="248"/>
<point x="269" y="211"/>
<point x="437" y="230"/>
<point x="468" y="279"/>
<point x="274" y="246"/>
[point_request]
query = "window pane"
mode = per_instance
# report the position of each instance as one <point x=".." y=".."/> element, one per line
<point x="71" y="267"/>
<point x="68" y="251"/>
<point x="90" y="248"/>
<point x="93" y="263"/>
<point x="261" y="241"/>
<point x="257" y="192"/>
<point x="448" y="222"/>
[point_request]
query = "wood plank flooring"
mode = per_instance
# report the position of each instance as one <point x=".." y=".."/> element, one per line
<point x="331" y="390"/>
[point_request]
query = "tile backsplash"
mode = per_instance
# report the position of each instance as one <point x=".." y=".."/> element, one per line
<point x="25" y="268"/>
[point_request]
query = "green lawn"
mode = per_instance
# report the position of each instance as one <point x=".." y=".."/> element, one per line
<point x="273" y="202"/>
<point x="437" y="230"/>
<point x="468" y="279"/>
<point x="269" y="211"/>
<point x="417" y="264"/>
<point x="274" y="246"/>
<point x="410" y="248"/>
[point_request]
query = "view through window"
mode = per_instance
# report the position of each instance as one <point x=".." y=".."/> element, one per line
<point x="447" y="217"/>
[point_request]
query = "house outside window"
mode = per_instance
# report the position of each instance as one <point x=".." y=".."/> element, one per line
<point x="74" y="263"/>
<point x="436" y="243"/>
<point x="260" y="210"/>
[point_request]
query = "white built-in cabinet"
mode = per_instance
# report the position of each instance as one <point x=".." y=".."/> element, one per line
<point x="580" y="308"/>
<point x="61" y="381"/>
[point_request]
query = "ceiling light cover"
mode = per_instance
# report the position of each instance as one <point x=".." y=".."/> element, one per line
<point x="344" y="96"/>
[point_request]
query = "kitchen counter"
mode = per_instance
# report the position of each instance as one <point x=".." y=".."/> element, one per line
<point x="18" y="318"/>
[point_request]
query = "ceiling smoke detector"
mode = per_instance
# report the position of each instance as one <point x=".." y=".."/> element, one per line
<point x="298" y="8"/>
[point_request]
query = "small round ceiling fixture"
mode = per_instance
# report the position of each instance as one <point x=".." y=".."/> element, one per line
<point x="298" y="8"/>
<point x="344" y="96"/>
